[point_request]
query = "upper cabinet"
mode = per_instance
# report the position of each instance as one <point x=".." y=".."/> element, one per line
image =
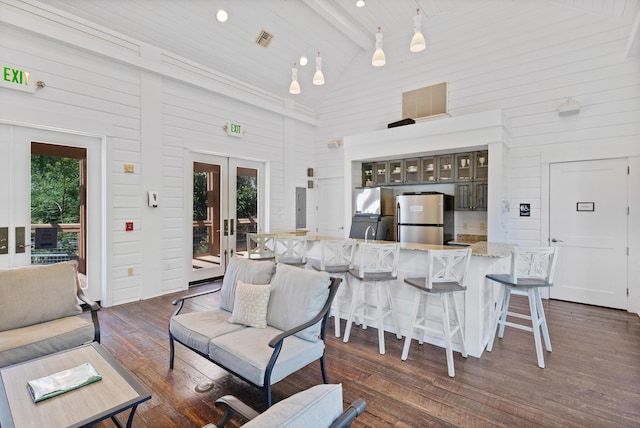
<point x="447" y="168"/>
<point x="429" y="169"/>
<point x="472" y="166"/>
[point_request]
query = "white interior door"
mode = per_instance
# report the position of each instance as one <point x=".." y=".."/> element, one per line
<point x="588" y="220"/>
<point x="226" y="197"/>
<point x="330" y="208"/>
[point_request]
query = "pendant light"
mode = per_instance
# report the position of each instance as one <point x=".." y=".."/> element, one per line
<point x="294" y="88"/>
<point x="318" y="77"/>
<point x="378" y="59"/>
<point x="417" y="41"/>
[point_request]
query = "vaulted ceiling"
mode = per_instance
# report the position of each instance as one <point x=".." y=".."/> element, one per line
<point x="339" y="30"/>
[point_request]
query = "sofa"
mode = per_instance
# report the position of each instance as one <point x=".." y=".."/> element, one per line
<point x="39" y="308"/>
<point x="271" y="322"/>
<point x="317" y="407"/>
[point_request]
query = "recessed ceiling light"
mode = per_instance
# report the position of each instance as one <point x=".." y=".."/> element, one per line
<point x="360" y="3"/>
<point x="303" y="60"/>
<point x="222" y="15"/>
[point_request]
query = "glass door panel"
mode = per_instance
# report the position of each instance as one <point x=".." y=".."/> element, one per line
<point x="207" y="205"/>
<point x="246" y="206"/>
<point x="228" y="203"/>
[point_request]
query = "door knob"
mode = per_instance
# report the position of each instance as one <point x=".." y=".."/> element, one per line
<point x="556" y="240"/>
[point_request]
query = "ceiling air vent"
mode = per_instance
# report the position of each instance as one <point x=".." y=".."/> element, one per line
<point x="264" y="38"/>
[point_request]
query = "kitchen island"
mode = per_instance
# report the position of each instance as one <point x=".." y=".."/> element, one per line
<point x="477" y="303"/>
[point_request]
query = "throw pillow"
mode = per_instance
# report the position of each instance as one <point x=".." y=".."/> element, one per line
<point x="250" y="305"/>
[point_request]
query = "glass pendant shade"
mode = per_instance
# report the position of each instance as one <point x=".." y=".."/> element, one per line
<point x="318" y="77"/>
<point x="379" y="58"/>
<point x="294" y="88"/>
<point x="417" y="41"/>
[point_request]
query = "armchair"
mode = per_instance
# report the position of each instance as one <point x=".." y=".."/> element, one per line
<point x="316" y="407"/>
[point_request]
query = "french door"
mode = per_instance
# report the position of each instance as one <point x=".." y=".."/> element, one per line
<point x="56" y="214"/>
<point x="227" y="202"/>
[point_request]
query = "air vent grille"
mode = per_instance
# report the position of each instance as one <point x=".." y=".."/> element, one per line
<point x="264" y="38"/>
<point x="425" y="102"/>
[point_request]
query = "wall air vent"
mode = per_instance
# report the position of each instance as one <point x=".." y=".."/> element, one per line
<point x="425" y="103"/>
<point x="264" y="38"/>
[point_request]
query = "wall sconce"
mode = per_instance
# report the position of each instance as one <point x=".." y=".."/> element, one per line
<point x="569" y="107"/>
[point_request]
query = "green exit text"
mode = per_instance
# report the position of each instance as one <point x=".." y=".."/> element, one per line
<point x="13" y="75"/>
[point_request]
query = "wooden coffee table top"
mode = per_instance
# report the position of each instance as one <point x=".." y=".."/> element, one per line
<point x="117" y="391"/>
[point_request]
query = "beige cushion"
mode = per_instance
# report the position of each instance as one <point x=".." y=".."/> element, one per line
<point x="196" y="329"/>
<point x="35" y="341"/>
<point x="316" y="407"/>
<point x="250" y="305"/>
<point x="297" y="295"/>
<point x="251" y="271"/>
<point x="34" y="294"/>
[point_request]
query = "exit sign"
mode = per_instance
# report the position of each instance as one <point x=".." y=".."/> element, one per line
<point x="14" y="77"/>
<point x="234" y="129"/>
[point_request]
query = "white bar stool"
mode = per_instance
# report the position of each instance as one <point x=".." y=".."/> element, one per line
<point x="336" y="257"/>
<point x="446" y="272"/>
<point x="260" y="246"/>
<point x="378" y="267"/>
<point x="531" y="269"/>
<point x="291" y="249"/>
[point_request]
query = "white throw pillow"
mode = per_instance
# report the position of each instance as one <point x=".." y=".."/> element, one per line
<point x="250" y="304"/>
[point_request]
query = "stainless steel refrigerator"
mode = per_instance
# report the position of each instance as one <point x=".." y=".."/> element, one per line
<point x="424" y="218"/>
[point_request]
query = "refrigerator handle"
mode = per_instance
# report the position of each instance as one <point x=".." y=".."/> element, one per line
<point x="398" y="222"/>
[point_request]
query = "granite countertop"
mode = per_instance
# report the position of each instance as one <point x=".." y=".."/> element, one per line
<point x="482" y="249"/>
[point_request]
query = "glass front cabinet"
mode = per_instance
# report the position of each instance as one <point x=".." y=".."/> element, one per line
<point x="429" y="169"/>
<point x="481" y="168"/>
<point x="468" y="170"/>
<point x="412" y="171"/>
<point x="445" y="169"/>
<point x="396" y="172"/>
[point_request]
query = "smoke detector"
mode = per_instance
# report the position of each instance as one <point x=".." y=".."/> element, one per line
<point x="264" y="38"/>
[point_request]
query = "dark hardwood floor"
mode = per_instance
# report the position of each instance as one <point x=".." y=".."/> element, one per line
<point x="592" y="377"/>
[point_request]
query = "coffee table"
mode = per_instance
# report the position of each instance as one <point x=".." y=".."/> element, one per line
<point x="116" y="392"/>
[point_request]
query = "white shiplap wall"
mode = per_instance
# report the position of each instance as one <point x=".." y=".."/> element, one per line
<point x="531" y="58"/>
<point x="150" y="120"/>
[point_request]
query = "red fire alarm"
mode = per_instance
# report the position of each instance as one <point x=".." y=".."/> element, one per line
<point x="129" y="226"/>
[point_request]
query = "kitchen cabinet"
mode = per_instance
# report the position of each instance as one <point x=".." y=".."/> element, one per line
<point x="412" y="171"/>
<point x="445" y="169"/>
<point x="471" y="196"/>
<point x="374" y="173"/>
<point x="481" y="165"/>
<point x="472" y="166"/>
<point x="367" y="174"/>
<point x="429" y="169"/>
<point x="396" y="172"/>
